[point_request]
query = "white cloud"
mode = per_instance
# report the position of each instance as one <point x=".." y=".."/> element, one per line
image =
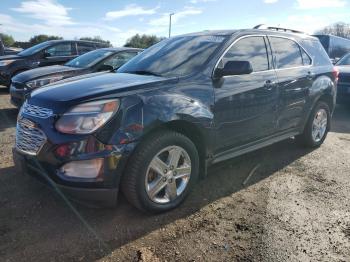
<point x="164" y="19"/>
<point x="49" y="11"/>
<point x="270" y="1"/>
<point x="313" y="4"/>
<point x="130" y="10"/>
<point x="74" y="31"/>
<point x="309" y="23"/>
<point x="201" y="1"/>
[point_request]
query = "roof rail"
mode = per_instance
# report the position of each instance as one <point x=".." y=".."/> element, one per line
<point x="263" y="26"/>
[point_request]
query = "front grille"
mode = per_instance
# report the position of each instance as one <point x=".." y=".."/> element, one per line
<point x="29" y="138"/>
<point x="36" y="111"/>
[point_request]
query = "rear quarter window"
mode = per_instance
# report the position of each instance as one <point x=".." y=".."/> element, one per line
<point x="317" y="52"/>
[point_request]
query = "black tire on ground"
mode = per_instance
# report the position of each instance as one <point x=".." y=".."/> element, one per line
<point x="133" y="181"/>
<point x="305" y="139"/>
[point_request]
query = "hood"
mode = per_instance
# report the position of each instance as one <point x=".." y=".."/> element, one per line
<point x="89" y="87"/>
<point x="11" y="57"/>
<point x="46" y="71"/>
<point x="344" y="69"/>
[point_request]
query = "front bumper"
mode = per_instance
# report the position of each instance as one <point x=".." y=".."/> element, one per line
<point x="95" y="193"/>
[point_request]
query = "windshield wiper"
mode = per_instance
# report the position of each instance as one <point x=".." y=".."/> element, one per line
<point x="143" y="72"/>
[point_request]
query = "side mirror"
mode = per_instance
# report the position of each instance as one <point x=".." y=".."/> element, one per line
<point x="234" y="68"/>
<point x="105" y="68"/>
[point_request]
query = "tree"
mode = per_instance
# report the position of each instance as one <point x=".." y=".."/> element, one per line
<point x="96" y="39"/>
<point x="7" y="39"/>
<point x="338" y="29"/>
<point x="42" y="38"/>
<point x="143" y="41"/>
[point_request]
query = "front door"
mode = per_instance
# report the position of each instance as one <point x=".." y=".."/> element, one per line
<point x="245" y="105"/>
<point x="58" y="54"/>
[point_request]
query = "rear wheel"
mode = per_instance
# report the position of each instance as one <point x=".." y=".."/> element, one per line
<point x="317" y="127"/>
<point x="161" y="172"/>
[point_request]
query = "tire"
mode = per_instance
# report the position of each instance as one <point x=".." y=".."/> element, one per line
<point x="306" y="138"/>
<point x="139" y="175"/>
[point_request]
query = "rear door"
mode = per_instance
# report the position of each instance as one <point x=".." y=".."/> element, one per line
<point x="245" y="105"/>
<point x="58" y="54"/>
<point x="295" y="77"/>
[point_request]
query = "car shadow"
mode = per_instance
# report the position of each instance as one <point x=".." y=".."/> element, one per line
<point x="32" y="215"/>
<point x="4" y="90"/>
<point x="8" y="118"/>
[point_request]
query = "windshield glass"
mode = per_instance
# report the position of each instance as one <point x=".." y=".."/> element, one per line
<point x="345" y="60"/>
<point x="34" y="49"/>
<point x="89" y="59"/>
<point x="176" y="56"/>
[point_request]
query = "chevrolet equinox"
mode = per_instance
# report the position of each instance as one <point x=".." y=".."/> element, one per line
<point x="188" y="102"/>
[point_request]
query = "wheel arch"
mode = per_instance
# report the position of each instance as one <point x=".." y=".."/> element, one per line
<point x="191" y="131"/>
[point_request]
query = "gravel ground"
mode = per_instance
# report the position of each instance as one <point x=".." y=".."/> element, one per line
<point x="293" y="207"/>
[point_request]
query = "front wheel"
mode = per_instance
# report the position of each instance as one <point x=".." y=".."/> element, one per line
<point x="317" y="127"/>
<point x="161" y="172"/>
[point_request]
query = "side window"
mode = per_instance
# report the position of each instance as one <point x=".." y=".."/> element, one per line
<point x="119" y="59"/>
<point x="85" y="47"/>
<point x="251" y="49"/>
<point x="287" y="53"/>
<point x="306" y="59"/>
<point x="64" y="49"/>
<point x="317" y="52"/>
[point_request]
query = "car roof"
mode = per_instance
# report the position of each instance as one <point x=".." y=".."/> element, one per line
<point x="120" y="49"/>
<point x="252" y="31"/>
<point x="76" y="41"/>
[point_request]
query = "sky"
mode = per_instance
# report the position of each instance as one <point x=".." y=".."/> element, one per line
<point x="118" y="20"/>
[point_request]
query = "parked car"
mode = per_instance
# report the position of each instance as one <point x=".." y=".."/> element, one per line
<point x="55" y="52"/>
<point x="343" y="91"/>
<point x="105" y="59"/>
<point x="2" y="48"/>
<point x="180" y="106"/>
<point x="12" y="50"/>
<point x="336" y="47"/>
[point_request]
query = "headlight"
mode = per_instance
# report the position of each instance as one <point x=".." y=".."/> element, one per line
<point x="43" y="81"/>
<point x="87" y="118"/>
<point x="6" y="62"/>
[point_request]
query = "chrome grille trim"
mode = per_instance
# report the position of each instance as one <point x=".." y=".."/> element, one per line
<point x="29" y="138"/>
<point x="36" y="111"/>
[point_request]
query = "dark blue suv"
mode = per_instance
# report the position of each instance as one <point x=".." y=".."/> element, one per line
<point x="184" y="104"/>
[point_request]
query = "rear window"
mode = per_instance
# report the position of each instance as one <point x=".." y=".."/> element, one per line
<point x="317" y="52"/>
<point x="287" y="53"/>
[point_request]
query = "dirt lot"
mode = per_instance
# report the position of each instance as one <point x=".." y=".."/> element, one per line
<point x="294" y="207"/>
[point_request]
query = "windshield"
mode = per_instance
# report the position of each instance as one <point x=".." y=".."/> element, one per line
<point x="89" y="59"/>
<point x="176" y="56"/>
<point x="34" y="49"/>
<point x="345" y="60"/>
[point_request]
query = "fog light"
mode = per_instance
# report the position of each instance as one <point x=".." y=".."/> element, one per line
<point x="83" y="169"/>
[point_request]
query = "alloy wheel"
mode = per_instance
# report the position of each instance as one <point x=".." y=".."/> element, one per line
<point x="168" y="174"/>
<point x="319" y="125"/>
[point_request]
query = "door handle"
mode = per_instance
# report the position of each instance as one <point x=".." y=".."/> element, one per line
<point x="269" y="84"/>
